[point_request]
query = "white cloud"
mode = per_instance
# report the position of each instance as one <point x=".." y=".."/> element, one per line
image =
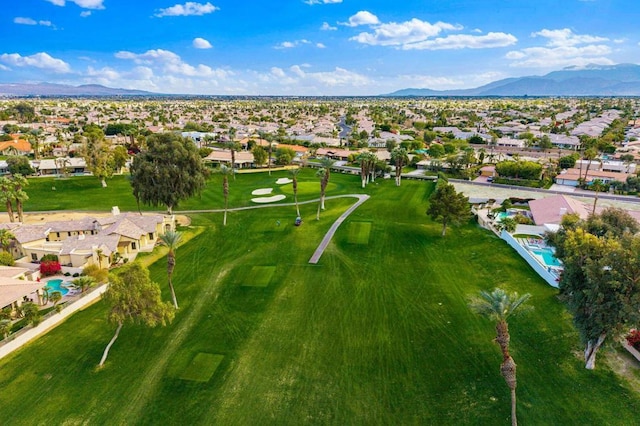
<point x="200" y="43"/>
<point x="397" y="34"/>
<point x="24" y="21"/>
<point x="4" y="68"/>
<point x="321" y="46"/>
<point x="188" y="9"/>
<point x="416" y="34"/>
<point x="278" y="72"/>
<point x="464" y="41"/>
<point x="326" y="27"/>
<point x="362" y="18"/>
<point x="40" y="60"/>
<point x="28" y="21"/>
<point x="171" y="63"/>
<point x="85" y="4"/>
<point x="85" y="13"/>
<point x="563" y="48"/>
<point x="312" y="2"/>
<point x="566" y="37"/>
<point x="291" y="44"/>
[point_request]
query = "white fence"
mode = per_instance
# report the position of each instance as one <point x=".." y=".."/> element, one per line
<point x="531" y="260"/>
<point x="27" y="334"/>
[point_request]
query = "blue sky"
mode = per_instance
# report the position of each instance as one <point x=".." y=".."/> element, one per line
<point x="307" y="47"/>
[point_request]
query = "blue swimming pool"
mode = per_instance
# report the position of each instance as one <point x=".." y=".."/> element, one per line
<point x="547" y="256"/>
<point x="56" y="285"/>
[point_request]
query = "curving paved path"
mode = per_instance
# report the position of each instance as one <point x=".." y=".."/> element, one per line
<point x="327" y="237"/>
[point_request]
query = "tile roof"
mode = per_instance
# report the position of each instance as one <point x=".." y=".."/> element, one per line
<point x="551" y="209"/>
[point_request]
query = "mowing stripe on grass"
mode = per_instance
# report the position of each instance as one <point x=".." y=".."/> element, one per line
<point x="259" y="276"/>
<point x="359" y="233"/>
<point x="202" y="367"/>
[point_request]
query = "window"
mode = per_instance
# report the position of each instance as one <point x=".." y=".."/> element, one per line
<point x="34" y="256"/>
<point x="133" y="246"/>
<point x="151" y="235"/>
<point x="58" y="234"/>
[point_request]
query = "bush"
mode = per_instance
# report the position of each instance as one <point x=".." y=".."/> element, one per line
<point x="6" y="259"/>
<point x="67" y="274"/>
<point x="49" y="267"/>
<point x="46" y="257"/>
<point x="633" y="338"/>
<point x="76" y="275"/>
<point x="94" y="271"/>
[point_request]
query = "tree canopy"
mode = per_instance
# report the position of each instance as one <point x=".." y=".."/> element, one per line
<point x="168" y="171"/>
<point x="600" y="284"/>
<point x="133" y="297"/>
<point x="448" y="206"/>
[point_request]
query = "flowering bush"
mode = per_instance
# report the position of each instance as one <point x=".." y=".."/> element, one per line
<point x="49" y="267"/>
<point x="633" y="338"/>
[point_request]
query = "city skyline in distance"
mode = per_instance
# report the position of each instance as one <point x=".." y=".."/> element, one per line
<point x="307" y="47"/>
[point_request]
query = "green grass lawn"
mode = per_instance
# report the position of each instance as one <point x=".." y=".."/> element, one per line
<point x="375" y="333"/>
<point x="86" y="193"/>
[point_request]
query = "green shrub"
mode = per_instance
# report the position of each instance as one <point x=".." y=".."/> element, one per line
<point x="6" y="259"/>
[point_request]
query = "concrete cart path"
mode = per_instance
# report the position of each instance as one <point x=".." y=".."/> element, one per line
<point x="325" y="241"/>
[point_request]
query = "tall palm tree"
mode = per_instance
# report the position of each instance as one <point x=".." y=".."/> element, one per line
<point x="499" y="306"/>
<point x="400" y="158"/>
<point x="7" y="195"/>
<point x="225" y="171"/>
<point x="294" y="177"/>
<point x="19" y="182"/>
<point x="171" y="239"/>
<point x="324" y="174"/>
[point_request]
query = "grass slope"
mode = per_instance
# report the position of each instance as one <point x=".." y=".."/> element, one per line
<point x="376" y="333"/>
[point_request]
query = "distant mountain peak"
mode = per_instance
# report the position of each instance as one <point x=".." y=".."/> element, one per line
<point x="588" y="80"/>
<point x="54" y="89"/>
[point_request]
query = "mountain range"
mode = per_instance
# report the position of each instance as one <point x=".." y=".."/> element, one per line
<point x="50" y="89"/>
<point x="591" y="80"/>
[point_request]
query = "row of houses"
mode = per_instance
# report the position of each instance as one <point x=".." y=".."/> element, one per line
<point x="53" y="166"/>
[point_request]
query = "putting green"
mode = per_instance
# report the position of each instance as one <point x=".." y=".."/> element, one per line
<point x="359" y="232"/>
<point x="259" y="276"/>
<point x="202" y="367"/>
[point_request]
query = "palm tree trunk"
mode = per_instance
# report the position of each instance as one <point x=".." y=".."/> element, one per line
<point x="514" y="418"/>
<point x="20" y="210"/>
<point x="106" y="350"/>
<point x="173" y="293"/>
<point x="10" y="211"/>
<point x="233" y="162"/>
<point x="318" y="213"/>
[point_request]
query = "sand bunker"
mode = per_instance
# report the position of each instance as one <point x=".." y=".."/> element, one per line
<point x="262" y="191"/>
<point x="282" y="181"/>
<point x="269" y="199"/>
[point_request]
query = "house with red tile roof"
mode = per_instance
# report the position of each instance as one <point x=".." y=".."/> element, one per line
<point x="16" y="146"/>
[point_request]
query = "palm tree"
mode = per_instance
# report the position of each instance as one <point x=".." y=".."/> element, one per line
<point x="294" y="177"/>
<point x="101" y="255"/>
<point x="19" y="195"/>
<point x="7" y="195"/>
<point x="598" y="186"/>
<point x="399" y="157"/>
<point x="225" y="171"/>
<point x="499" y="306"/>
<point x="84" y="282"/>
<point x="324" y="174"/>
<point x="590" y="154"/>
<point x="172" y="240"/>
